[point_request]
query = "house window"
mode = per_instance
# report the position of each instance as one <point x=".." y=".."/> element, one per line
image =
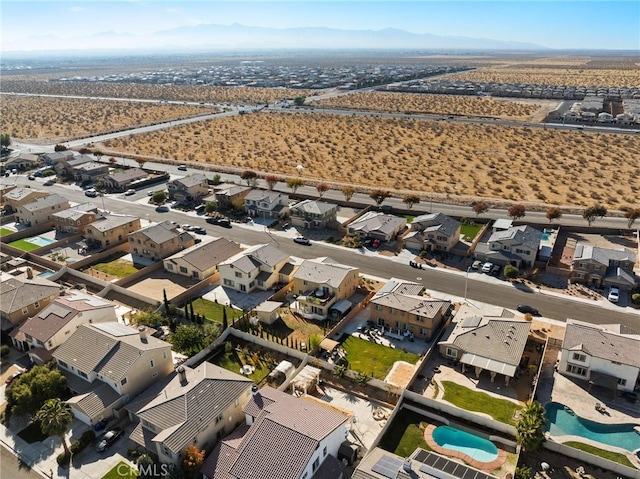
<point x="25" y="310"/>
<point x="424" y="332"/>
<point x="228" y="282"/>
<point x="155" y="373"/>
<point x="82" y="374"/>
<point x="622" y="382"/>
<point x="183" y="270"/>
<point x="164" y="355"/>
<point x="316" y="464"/>
<point x="243" y="287"/>
<point x="219" y="418"/>
<point x="152" y="363"/>
<point x="577" y="370"/>
<point x="123" y="381"/>
<point x="63" y="364"/>
<point x="238" y="274"/>
<point x="36" y="304"/>
<point x="378" y="307"/>
<point x="579" y="357"/>
<point x="324" y="451"/>
<point x="451" y="353"/>
<point x="168" y="265"/>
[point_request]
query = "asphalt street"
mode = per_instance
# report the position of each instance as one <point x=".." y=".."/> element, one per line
<point x="10" y="468"/>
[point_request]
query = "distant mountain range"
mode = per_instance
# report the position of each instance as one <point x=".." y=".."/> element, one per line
<point x="241" y="37"/>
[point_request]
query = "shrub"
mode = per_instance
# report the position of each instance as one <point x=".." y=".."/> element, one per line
<point x="88" y="436"/>
<point x="4" y="351"/>
<point x="85" y="440"/>
<point x="510" y="271"/>
<point x="63" y="459"/>
<point x="76" y="447"/>
<point x="635" y="298"/>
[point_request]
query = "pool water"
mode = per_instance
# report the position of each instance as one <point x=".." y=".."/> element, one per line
<point x="473" y="446"/>
<point x="40" y="241"/>
<point x="546" y="236"/>
<point x="46" y="274"/>
<point x="561" y="422"/>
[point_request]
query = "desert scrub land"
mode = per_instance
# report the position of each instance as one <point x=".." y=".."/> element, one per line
<point x="440" y="104"/>
<point x="199" y="93"/>
<point x="60" y="119"/>
<point x="552" y="76"/>
<point x="519" y="164"/>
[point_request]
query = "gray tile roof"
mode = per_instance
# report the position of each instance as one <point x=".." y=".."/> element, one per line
<point x="18" y="194"/>
<point x="253" y="257"/>
<point x="45" y="202"/>
<point x="439" y="222"/>
<point x="76" y="212"/>
<point x="599" y="342"/>
<point x="109" y="222"/>
<point x="400" y="286"/>
<point x="266" y="196"/>
<point x="314" y="207"/>
<point x="90" y="166"/>
<point x="95" y="401"/>
<point x="377" y="222"/>
<point x="418" y="305"/>
<point x="323" y="271"/>
<point x="191" y="180"/>
<point x="230" y="189"/>
<point x="128" y="175"/>
<point x="206" y="255"/>
<point x="181" y="411"/>
<point x="524" y="234"/>
<point x="160" y="232"/>
<point x="603" y="256"/>
<point x="17" y="293"/>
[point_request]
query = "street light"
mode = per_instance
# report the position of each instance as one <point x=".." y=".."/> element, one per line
<point x="466" y="281"/>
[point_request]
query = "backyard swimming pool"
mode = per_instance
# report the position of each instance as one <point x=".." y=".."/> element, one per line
<point x="40" y="241"/>
<point x="562" y="422"/>
<point x="476" y="447"/>
<point x="546" y="236"/>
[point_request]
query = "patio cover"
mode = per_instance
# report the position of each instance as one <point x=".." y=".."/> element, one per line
<point x="329" y="344"/>
<point x="605" y="380"/>
<point x="489" y="364"/>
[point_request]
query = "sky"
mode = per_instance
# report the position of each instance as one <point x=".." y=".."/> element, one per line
<point x="574" y="24"/>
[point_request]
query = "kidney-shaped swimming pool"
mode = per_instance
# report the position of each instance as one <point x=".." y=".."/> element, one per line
<point x="476" y="447"/>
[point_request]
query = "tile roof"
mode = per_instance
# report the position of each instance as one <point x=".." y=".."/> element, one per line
<point x="109" y="222"/>
<point x="160" y="232"/>
<point x="400" y="286"/>
<point x="524" y="234"/>
<point x="251" y="258"/>
<point x="90" y="166"/>
<point x="230" y="189"/>
<point x="439" y="222"/>
<point x="48" y="322"/>
<point x="207" y="255"/>
<point x="324" y="271"/>
<point x="418" y="305"/>
<point x="330" y="468"/>
<point x="128" y="175"/>
<point x="266" y="196"/>
<point x="76" y="212"/>
<point x="314" y="207"/>
<point x="191" y="180"/>
<point x="45" y="202"/>
<point x="602" y="342"/>
<point x="602" y="255"/>
<point x="18" y="194"/>
<point x="16" y="293"/>
<point x="95" y="401"/>
<point x="377" y="222"/>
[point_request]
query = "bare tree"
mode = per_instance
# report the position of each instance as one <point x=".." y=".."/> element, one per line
<point x="322" y="188"/>
<point x="554" y="213"/>
<point x="480" y="207"/>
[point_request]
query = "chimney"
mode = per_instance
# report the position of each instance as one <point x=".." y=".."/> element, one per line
<point x="143" y="333"/>
<point x="183" y="375"/>
<point x="29" y="273"/>
<point x="406" y="465"/>
<point x="254" y="390"/>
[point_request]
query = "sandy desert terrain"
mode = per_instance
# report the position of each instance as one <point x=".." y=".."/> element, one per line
<point x="516" y="164"/>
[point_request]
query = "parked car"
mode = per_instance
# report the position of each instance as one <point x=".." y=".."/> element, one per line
<point x="225" y="223"/>
<point x="108" y="439"/>
<point x="14" y="376"/>
<point x="614" y="294"/>
<point x="91" y="193"/>
<point x="162" y="209"/>
<point x="495" y="271"/>
<point x="302" y="240"/>
<point x="199" y="230"/>
<point x="476" y="264"/>
<point x="48" y="183"/>
<point x="150" y="193"/>
<point x="187" y="227"/>
<point x="487" y="267"/>
<point x="375" y="244"/>
<point x="31" y="177"/>
<point x="182" y="167"/>
<point x="525" y="308"/>
<point x="130" y="192"/>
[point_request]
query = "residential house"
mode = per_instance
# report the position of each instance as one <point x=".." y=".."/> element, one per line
<point x="229" y="195"/>
<point x="320" y="283"/>
<point x="375" y="225"/>
<point x="192" y="406"/>
<point x="21" y="297"/>
<point x="21" y="196"/>
<point x="602" y="267"/>
<point x="4" y="189"/>
<point x="201" y="261"/>
<point x="158" y="241"/>
<point x="517" y="246"/>
<point x="266" y="204"/>
<point x="22" y="162"/>
<point x="75" y="219"/>
<point x="313" y="214"/>
<point x="433" y="232"/>
<point x="107" y="364"/>
<point x="121" y="180"/>
<point x="110" y="230"/>
<point x="65" y="167"/>
<point x="53" y="158"/>
<point x="603" y="354"/>
<point x="41" y="209"/>
<point x="42" y="333"/>
<point x="189" y="189"/>
<point x="259" y="267"/>
<point x="493" y="343"/>
<point x="89" y="172"/>
<point x="405" y="313"/>
<point x="285" y="437"/>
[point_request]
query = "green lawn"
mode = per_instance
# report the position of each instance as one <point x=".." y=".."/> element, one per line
<point x="405" y="435"/>
<point x="5" y="232"/>
<point x="233" y="361"/>
<point x="499" y="409"/>
<point x="213" y="310"/>
<point x="32" y="433"/>
<point x="596" y="451"/>
<point x="470" y="230"/>
<point x="374" y="359"/>
<point x="122" y="470"/>
<point x="119" y="268"/>
<point x="24" y="245"/>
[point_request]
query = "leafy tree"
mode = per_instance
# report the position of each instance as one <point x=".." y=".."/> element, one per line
<point x="322" y="188"/>
<point x="210" y="207"/>
<point x="112" y="160"/>
<point x="516" y="211"/>
<point x="5" y="141"/>
<point x="141" y="161"/>
<point x="250" y="177"/>
<point x="530" y="427"/>
<point x="411" y="200"/>
<point x="271" y="181"/>
<point x="554" y="213"/>
<point x="55" y="417"/>
<point x="510" y="271"/>
<point x="30" y="391"/>
<point x="217" y="179"/>
<point x="172" y="471"/>
<point x="632" y="214"/>
<point x="159" y="197"/>
<point x="4" y="351"/>
<point x="188" y="339"/>
<point x="150" y="318"/>
<point x="348" y="192"/>
<point x="523" y="472"/>
<point x="480" y="207"/>
<point x="379" y="196"/>
<point x="299" y="100"/>
<point x="145" y="466"/>
<point x="295" y="183"/>
<point x="314" y="341"/>
<point x="594" y="212"/>
<point x="59" y="148"/>
<point x="192" y="459"/>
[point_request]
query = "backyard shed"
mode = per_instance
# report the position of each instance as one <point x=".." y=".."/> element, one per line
<point x="267" y="311"/>
<point x="338" y="310"/>
<point x="306" y="381"/>
<point x="329" y="344"/>
<point x="281" y="372"/>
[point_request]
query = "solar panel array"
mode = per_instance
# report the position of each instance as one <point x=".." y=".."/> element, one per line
<point x="388" y="466"/>
<point x="452" y="468"/>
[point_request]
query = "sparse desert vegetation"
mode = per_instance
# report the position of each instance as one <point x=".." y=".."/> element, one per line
<point x="517" y="164"/>
<point x="439" y="104"/>
<point x="59" y="119"/>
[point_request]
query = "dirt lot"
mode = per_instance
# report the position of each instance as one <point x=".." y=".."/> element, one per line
<point x="160" y="280"/>
<point x="411" y="155"/>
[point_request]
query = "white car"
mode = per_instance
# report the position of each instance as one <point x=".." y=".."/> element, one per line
<point x="614" y="294"/>
<point x="476" y="264"/>
<point x="487" y="267"/>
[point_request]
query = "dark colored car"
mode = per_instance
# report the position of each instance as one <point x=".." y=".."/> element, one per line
<point x="302" y="240"/>
<point x="225" y="223"/>
<point x="14" y="376"/>
<point x="108" y="439"/>
<point x="199" y="230"/>
<point x="162" y="209"/>
<point x="48" y="183"/>
<point x="525" y="308"/>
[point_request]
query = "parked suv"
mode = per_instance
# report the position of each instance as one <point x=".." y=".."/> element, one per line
<point x="487" y="267"/>
<point x="614" y="294"/>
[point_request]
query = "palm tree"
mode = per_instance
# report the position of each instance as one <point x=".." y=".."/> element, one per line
<point x="530" y="426"/>
<point x="55" y="417"/>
